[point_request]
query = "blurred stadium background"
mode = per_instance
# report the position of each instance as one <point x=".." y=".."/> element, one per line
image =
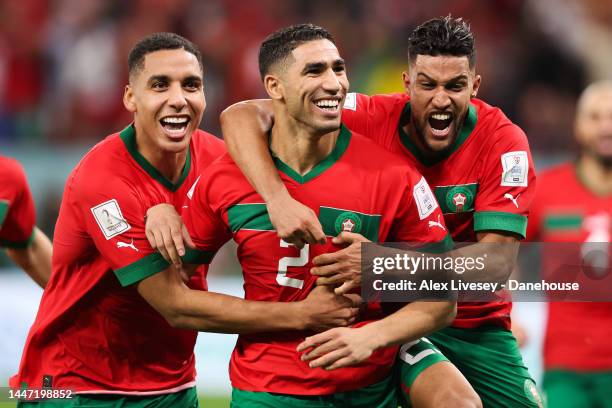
<point x="63" y="67"/>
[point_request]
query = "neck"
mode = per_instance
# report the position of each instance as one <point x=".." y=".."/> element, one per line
<point x="594" y="174"/>
<point x="298" y="146"/>
<point x="169" y="164"/>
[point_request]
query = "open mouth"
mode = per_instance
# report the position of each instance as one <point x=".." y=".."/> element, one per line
<point x="175" y="126"/>
<point x="440" y="123"/>
<point x="331" y="105"/>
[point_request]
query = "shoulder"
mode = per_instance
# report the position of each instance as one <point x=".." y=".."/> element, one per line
<point x="372" y="157"/>
<point x="207" y="145"/>
<point x="105" y="167"/>
<point x="11" y="171"/>
<point x="495" y="126"/>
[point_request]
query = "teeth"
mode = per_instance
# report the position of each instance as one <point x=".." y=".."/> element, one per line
<point x="327" y="103"/>
<point x="441" y="116"/>
<point x="175" y="120"/>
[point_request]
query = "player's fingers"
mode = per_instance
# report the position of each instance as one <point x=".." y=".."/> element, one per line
<point x="344" y="288"/>
<point x="315" y="340"/>
<point x="330" y="280"/>
<point x="316" y="231"/>
<point x="177" y="239"/>
<point x="343" y="362"/>
<point x="325" y="270"/>
<point x="329" y="258"/>
<point x="159" y="245"/>
<point x="296" y="239"/>
<point x="186" y="238"/>
<point x="355" y="299"/>
<point x="348" y="238"/>
<point x="329" y="358"/>
<point x="151" y="238"/>
<point x="169" y="246"/>
<point x="321" y="350"/>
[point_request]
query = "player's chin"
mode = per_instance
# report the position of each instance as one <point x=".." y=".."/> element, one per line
<point x="327" y="126"/>
<point x="437" y="144"/>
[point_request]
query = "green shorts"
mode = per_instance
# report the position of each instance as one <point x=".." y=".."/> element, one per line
<point x="568" y="389"/>
<point x="490" y="359"/>
<point x="184" y="399"/>
<point x="379" y="395"/>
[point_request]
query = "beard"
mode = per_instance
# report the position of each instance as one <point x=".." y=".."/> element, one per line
<point x="431" y="150"/>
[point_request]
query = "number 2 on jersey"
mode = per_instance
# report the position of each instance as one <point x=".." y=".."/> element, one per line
<point x="287" y="261"/>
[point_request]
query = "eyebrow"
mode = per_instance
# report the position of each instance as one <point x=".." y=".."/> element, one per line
<point x="319" y="65"/>
<point x="166" y="78"/>
<point x="455" y="79"/>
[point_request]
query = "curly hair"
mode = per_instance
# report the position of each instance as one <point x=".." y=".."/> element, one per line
<point x="442" y="36"/>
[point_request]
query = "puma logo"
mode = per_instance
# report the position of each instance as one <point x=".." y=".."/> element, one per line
<point x="126" y="245"/>
<point x="511" y="198"/>
<point x="437" y="223"/>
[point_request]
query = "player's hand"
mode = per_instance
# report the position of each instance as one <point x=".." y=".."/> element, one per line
<point x="294" y="222"/>
<point x="323" y="309"/>
<point x="341" y="269"/>
<point x="166" y="232"/>
<point x="339" y="347"/>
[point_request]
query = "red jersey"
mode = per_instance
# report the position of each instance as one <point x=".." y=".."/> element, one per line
<point x="485" y="182"/>
<point x="17" y="215"/>
<point x="359" y="187"/>
<point x="93" y="331"/>
<point x="577" y="333"/>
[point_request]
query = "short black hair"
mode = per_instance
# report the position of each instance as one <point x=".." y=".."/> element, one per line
<point x="278" y="45"/>
<point x="442" y="36"/>
<point x="159" y="42"/>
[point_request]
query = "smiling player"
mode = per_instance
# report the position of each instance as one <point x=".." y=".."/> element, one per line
<point x="478" y="163"/>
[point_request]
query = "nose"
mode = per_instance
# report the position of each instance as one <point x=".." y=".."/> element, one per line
<point x="331" y="81"/>
<point x="176" y="97"/>
<point x="441" y="100"/>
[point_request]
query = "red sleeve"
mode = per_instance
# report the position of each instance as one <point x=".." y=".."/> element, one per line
<point x="17" y="214"/>
<point x="536" y="212"/>
<point x="507" y="185"/>
<point x="419" y="219"/>
<point x="376" y="117"/>
<point x="114" y="218"/>
<point x="205" y="226"/>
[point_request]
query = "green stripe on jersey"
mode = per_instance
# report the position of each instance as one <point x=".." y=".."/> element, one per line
<point x="456" y="198"/>
<point x="128" y="135"/>
<point x="563" y="222"/>
<point x="500" y="221"/>
<point x="249" y="217"/>
<point x="445" y="245"/>
<point x="336" y="220"/>
<point x="155" y="263"/>
<point x="344" y="138"/>
<point x="4" y="207"/>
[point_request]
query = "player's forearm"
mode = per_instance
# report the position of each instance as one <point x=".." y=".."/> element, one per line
<point x="411" y="322"/>
<point x="216" y="312"/>
<point x="245" y="126"/>
<point x="35" y="260"/>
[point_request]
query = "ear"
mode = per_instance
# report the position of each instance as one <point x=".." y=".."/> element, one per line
<point x="475" y="86"/>
<point x="128" y="98"/>
<point x="406" y="81"/>
<point x="273" y="86"/>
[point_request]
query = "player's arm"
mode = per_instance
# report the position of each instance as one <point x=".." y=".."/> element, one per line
<point x="185" y="308"/>
<point x="245" y="126"/>
<point x="35" y="259"/>
<point x="341" y="347"/>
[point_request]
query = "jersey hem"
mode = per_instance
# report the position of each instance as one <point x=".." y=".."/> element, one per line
<point x="190" y="384"/>
<point x="502" y="221"/>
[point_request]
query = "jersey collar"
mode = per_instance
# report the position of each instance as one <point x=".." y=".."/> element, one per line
<point x="466" y="129"/>
<point x="341" y="145"/>
<point x="128" y="135"/>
